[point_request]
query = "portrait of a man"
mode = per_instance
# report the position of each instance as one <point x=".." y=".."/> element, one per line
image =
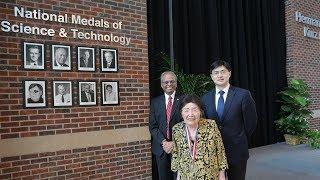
<point x="86" y="59"/>
<point x="109" y="61"/>
<point x="110" y="93"/>
<point x="35" y="93"/>
<point x="61" y="57"/>
<point x="33" y="55"/>
<point x="87" y="91"/>
<point x="62" y="93"/>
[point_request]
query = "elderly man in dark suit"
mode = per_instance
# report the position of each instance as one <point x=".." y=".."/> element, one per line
<point x="109" y="61"/>
<point x="86" y="60"/>
<point x="164" y="114"/>
<point x="87" y="95"/>
<point x="60" y="57"/>
<point x="234" y="110"/>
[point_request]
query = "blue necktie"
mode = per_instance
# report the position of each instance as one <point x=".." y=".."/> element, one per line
<point x="220" y="104"/>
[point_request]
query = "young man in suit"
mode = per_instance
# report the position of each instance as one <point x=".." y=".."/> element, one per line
<point x="164" y="114"/>
<point x="234" y="110"/>
<point x="34" y="60"/>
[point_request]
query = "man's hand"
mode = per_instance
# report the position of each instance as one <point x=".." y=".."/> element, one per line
<point x="167" y="146"/>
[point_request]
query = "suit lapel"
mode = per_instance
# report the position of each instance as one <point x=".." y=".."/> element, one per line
<point x="162" y="108"/>
<point x="214" y="104"/>
<point x="228" y="102"/>
<point x="175" y="106"/>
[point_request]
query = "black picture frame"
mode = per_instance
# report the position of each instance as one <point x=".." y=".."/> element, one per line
<point x="83" y="63"/>
<point x="35" y="95"/>
<point x="113" y="98"/>
<point x="62" y="101"/>
<point x="89" y="97"/>
<point x="57" y="50"/>
<point x="105" y="55"/>
<point x="33" y="56"/>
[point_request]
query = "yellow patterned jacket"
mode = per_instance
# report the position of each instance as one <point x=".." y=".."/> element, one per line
<point x="210" y="155"/>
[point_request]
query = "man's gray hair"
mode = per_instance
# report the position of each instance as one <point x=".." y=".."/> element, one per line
<point x="168" y="72"/>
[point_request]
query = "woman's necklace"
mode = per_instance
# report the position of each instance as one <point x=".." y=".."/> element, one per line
<point x="192" y="142"/>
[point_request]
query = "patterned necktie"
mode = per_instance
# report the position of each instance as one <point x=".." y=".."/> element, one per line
<point x="220" y="105"/>
<point x="168" y="113"/>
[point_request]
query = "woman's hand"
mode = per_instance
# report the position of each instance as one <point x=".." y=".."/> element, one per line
<point x="222" y="175"/>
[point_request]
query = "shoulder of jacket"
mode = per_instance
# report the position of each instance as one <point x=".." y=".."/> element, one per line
<point x="240" y="90"/>
<point x="178" y="125"/>
<point x="208" y="93"/>
<point x="158" y="98"/>
<point x="209" y="122"/>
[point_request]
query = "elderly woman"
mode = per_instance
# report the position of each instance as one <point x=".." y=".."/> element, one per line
<point x="198" y="151"/>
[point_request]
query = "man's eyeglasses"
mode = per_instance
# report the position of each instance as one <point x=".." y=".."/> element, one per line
<point x="167" y="82"/>
<point x="222" y="72"/>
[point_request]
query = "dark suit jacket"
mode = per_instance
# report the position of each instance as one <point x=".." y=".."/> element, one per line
<point x="63" y="65"/>
<point x="238" y="121"/>
<point x="84" y="96"/>
<point x="39" y="62"/>
<point x="158" y="122"/>
<point x="90" y="63"/>
<point x="112" y="65"/>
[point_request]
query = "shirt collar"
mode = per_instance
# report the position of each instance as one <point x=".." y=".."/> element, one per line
<point x="172" y="95"/>
<point x="226" y="89"/>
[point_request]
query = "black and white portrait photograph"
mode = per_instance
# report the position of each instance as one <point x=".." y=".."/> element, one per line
<point x="61" y="57"/>
<point x="110" y="92"/>
<point x="62" y="93"/>
<point x="34" y="94"/>
<point x="86" y="59"/>
<point x="109" y="60"/>
<point x="33" y="56"/>
<point x="87" y="93"/>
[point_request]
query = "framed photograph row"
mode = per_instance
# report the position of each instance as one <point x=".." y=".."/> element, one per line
<point x="61" y="58"/>
<point x="35" y="93"/>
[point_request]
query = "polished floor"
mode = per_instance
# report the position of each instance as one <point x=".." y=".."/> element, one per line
<point x="281" y="162"/>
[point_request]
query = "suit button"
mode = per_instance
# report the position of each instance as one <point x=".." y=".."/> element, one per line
<point x="220" y="127"/>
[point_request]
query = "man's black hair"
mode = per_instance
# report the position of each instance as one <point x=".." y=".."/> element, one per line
<point x="219" y="63"/>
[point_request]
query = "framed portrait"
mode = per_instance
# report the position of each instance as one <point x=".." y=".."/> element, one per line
<point x="62" y="93"/>
<point x="33" y="56"/>
<point x="110" y="92"/>
<point x="34" y="94"/>
<point x="61" y="57"/>
<point x="86" y="59"/>
<point x="109" y="60"/>
<point x="87" y="93"/>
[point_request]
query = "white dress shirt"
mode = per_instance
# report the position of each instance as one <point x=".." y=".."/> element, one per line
<point x="167" y="97"/>
<point x="66" y="98"/>
<point x="226" y="89"/>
